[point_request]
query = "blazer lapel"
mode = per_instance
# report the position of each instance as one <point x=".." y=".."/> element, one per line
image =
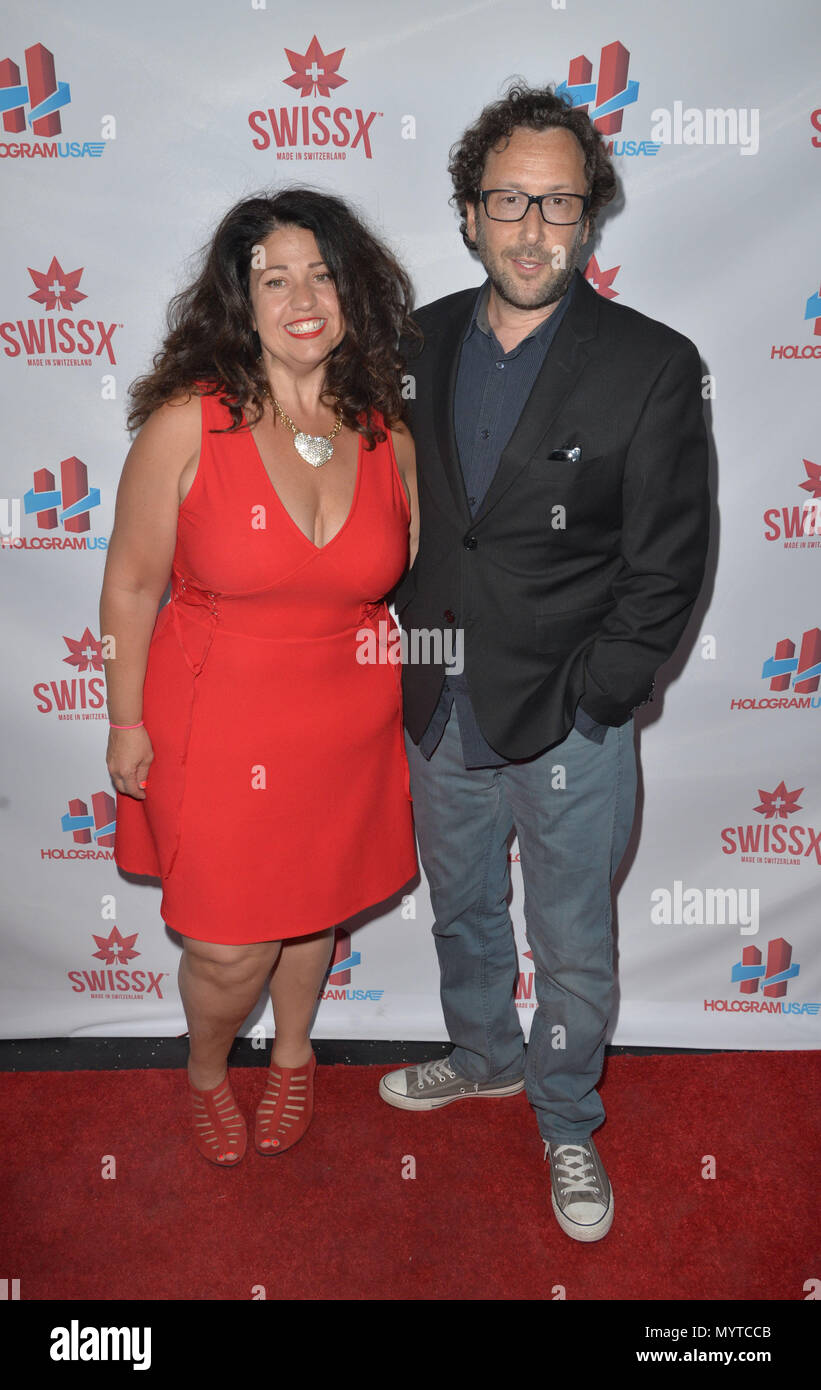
<point x="445" y="368"/>
<point x="560" y="370"/>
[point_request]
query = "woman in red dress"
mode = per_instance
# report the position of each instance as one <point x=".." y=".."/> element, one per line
<point x="259" y="761"/>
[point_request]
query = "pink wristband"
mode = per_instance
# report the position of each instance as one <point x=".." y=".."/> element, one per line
<point x="126" y="726"/>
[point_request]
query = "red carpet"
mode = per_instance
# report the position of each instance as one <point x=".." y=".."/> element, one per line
<point x="334" y="1218"/>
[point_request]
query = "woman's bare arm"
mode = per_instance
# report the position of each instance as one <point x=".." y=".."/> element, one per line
<point x="138" y="567"/>
<point x="405" y="451"/>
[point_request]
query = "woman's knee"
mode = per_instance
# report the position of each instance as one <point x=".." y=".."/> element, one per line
<point x="234" y="964"/>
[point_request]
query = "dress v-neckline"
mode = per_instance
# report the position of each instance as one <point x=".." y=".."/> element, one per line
<point x="297" y="528"/>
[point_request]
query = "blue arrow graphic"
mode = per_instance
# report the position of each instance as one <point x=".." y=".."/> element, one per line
<point x="92" y="499"/>
<point x="41" y="501"/>
<point x="53" y="103"/>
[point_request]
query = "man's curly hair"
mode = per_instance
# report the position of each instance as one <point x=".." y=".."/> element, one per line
<point x="535" y="108"/>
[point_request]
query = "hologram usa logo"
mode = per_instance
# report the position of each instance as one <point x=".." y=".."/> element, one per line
<point x="310" y="131"/>
<point x="605" y="99"/>
<point x="45" y="96"/>
<point x="793" y="675"/>
<point x="42" y="93"/>
<point x="812" y="311"/>
<point x="750" y="973"/>
<point x="797" y="351"/>
<point x="69" y="505"/>
<point x="339" y="972"/>
<point x="343" y="958"/>
<point x="92" y="833"/>
<point x="803" y="670"/>
<point x="100" y="825"/>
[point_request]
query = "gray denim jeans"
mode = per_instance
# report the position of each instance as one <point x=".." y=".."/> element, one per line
<point x="571" y="839"/>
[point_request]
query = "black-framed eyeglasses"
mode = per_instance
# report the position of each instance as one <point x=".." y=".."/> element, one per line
<point x="509" y="205"/>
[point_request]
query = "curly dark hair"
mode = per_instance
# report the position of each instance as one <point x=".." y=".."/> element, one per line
<point x="212" y="348"/>
<point x="536" y="108"/>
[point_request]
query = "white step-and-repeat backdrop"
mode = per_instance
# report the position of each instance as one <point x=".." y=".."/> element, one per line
<point x="126" y="132"/>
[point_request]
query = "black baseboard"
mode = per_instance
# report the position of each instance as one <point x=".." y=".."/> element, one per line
<point x="125" y="1054"/>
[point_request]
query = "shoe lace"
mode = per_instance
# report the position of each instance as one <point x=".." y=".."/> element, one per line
<point x="430" y="1072"/>
<point x="577" y="1162"/>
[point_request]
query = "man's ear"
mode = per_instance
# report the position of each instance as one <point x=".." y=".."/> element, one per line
<point x="470" y="219"/>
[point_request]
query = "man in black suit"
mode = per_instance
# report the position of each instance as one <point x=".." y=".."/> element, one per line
<point x="562" y="465"/>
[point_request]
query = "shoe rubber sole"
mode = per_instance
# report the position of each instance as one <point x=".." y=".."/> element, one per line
<point x="579" y="1232"/>
<point x="408" y="1103"/>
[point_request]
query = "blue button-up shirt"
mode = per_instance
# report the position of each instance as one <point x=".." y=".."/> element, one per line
<point x="492" y="389"/>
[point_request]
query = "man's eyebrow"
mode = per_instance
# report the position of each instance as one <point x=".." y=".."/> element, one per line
<point x="554" y="188"/>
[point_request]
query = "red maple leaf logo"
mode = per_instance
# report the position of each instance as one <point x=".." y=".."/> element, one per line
<point x="602" y="280"/>
<point x="314" y="71"/>
<point x="86" y="652"/>
<point x="812" y="482"/>
<point x="115" y="949"/>
<point x="57" y="288"/>
<point x="779" y="803"/>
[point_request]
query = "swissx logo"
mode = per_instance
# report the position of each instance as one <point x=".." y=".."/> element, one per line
<point x="775" y="838"/>
<point x="59" y="341"/>
<point x="118" y="951"/>
<point x="798" y="525"/>
<point x="601" y="280"/>
<point x="311" y="129"/>
<point x="83" y="695"/>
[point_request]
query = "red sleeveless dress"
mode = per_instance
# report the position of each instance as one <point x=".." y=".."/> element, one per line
<point x="278" y="801"/>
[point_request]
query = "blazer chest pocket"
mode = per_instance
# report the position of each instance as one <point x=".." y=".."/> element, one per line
<point x="571" y="453"/>
<point x="574" y="462"/>
<point x="570" y="468"/>
<point x="587" y="489"/>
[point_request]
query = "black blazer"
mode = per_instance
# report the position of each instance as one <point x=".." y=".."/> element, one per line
<point x="577" y="576"/>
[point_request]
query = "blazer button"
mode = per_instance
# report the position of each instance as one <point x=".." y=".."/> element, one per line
<point x="449" y="616"/>
<point x="470" y="542"/>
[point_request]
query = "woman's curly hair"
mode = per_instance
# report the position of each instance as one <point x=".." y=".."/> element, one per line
<point x="211" y="346"/>
<point x="535" y="108"/>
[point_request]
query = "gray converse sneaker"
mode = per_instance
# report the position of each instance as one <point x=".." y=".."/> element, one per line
<point x="433" y="1084"/>
<point x="580" y="1191"/>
